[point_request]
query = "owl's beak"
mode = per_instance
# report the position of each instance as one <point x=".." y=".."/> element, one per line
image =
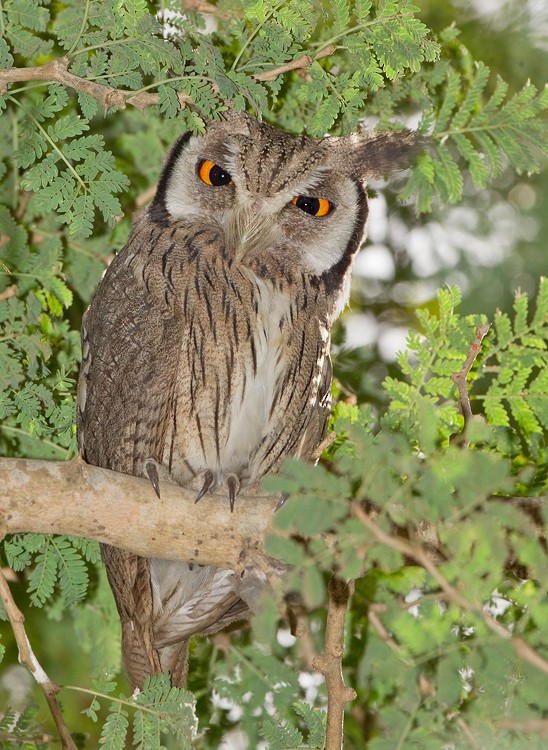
<point x="249" y="226"/>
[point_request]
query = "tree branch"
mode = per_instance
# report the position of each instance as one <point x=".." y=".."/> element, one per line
<point x="57" y="71"/>
<point x="29" y="660"/>
<point x="301" y="63"/>
<point x="528" y="725"/>
<point x="330" y="662"/>
<point x="74" y="498"/>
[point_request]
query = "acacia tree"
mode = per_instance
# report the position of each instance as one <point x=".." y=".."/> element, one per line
<point x="416" y="546"/>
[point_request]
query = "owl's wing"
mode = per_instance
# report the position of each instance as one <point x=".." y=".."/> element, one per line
<point x="131" y="339"/>
<point x="319" y="413"/>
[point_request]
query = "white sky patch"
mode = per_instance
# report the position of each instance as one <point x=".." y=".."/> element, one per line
<point x="392" y="341"/>
<point x="377" y="226"/>
<point x="310" y="683"/>
<point x="375" y="262"/>
<point x="361" y="329"/>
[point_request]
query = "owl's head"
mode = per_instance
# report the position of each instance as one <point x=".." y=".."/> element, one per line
<point x="285" y="205"/>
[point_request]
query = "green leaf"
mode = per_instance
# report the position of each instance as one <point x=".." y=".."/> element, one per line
<point x="114" y="731"/>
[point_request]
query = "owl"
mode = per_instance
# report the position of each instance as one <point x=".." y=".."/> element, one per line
<point x="206" y="347"/>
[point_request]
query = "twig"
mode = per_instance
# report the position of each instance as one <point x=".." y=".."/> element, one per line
<point x="199" y="6"/>
<point x="301" y="63"/>
<point x="17" y="740"/>
<point x="57" y="71"/>
<point x="107" y="96"/>
<point x="467" y="732"/>
<point x="328" y="440"/>
<point x="8" y="292"/>
<point x="382" y="632"/>
<point x="421" y="557"/>
<point x="330" y="662"/>
<point x="29" y="660"/>
<point x="530" y="725"/>
<point x="460" y="378"/>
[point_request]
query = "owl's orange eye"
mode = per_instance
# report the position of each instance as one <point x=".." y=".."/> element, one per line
<point x="214" y="175"/>
<point x="312" y="206"/>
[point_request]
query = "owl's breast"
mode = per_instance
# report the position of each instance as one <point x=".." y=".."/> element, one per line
<point x="245" y="375"/>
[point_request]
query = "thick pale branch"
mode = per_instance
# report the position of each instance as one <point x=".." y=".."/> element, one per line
<point x="74" y="498"/>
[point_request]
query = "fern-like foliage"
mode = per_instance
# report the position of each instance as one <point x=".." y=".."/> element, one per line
<point x="58" y="565"/>
<point x="35" y="399"/>
<point x="359" y="57"/>
<point x="155" y="710"/>
<point x="476" y="127"/>
<point x="509" y="382"/>
<point x="410" y="471"/>
<point x="284" y="736"/>
<point x="21" y="729"/>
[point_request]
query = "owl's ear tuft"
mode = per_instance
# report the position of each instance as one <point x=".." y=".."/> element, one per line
<point x="381" y="154"/>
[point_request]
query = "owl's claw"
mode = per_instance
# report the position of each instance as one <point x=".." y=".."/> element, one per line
<point x="151" y="468"/>
<point x="281" y="501"/>
<point x="233" y="486"/>
<point x="208" y="481"/>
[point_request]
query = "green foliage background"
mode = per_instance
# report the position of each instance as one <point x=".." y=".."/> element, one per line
<point x="73" y="168"/>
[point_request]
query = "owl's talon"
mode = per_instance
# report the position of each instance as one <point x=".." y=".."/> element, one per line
<point x="208" y="481"/>
<point x="281" y="501"/>
<point x="233" y="487"/>
<point x="151" y="468"/>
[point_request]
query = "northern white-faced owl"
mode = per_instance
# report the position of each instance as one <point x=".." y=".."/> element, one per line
<point x="206" y="347"/>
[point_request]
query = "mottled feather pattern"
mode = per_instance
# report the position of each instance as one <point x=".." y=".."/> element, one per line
<point x="206" y="348"/>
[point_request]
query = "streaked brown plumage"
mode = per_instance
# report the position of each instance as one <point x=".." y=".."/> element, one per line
<point x="206" y="347"/>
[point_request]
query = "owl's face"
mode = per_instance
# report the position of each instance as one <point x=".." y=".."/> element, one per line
<point x="285" y="205"/>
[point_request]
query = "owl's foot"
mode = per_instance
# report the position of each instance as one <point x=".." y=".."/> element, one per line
<point x="232" y="482"/>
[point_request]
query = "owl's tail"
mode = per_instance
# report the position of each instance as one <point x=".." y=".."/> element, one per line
<point x="141" y="660"/>
<point x="129" y="579"/>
